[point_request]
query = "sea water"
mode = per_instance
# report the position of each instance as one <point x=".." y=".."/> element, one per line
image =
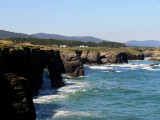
<point x="106" y="92"/>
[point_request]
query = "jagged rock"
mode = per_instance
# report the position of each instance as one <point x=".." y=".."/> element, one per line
<point x="111" y="71"/>
<point x="153" y="64"/>
<point x="19" y="100"/>
<point x="155" y="59"/>
<point x="93" y="58"/>
<point x="23" y="76"/>
<point x="136" y="56"/>
<point x="59" y="62"/>
<point x="110" y="58"/>
<point x="72" y="63"/>
<point x="54" y="74"/>
<point x="89" y="57"/>
<point x="148" y="54"/>
<point x="84" y="56"/>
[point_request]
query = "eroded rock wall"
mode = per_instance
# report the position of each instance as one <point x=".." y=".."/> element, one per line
<point x="22" y="73"/>
<point x="72" y="63"/>
<point x="89" y="57"/>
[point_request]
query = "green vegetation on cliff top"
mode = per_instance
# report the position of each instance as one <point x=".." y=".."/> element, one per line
<point x="13" y="45"/>
<point x="69" y="43"/>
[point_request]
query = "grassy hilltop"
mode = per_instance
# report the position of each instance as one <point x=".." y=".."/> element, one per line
<point x="10" y="44"/>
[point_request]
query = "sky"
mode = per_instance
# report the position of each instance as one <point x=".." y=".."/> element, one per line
<point x="114" y="20"/>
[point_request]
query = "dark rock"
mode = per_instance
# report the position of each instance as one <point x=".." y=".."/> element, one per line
<point x="22" y="74"/>
<point x="19" y="100"/>
<point x="136" y="56"/>
<point x="90" y="57"/>
<point x="153" y="64"/>
<point x="113" y="58"/>
<point x="84" y="56"/>
<point x="72" y="63"/>
<point x="54" y="74"/>
<point x="111" y="71"/>
<point x="93" y="58"/>
<point x="59" y="62"/>
<point x="155" y="59"/>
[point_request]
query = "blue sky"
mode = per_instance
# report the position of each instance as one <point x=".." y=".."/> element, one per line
<point x="114" y="20"/>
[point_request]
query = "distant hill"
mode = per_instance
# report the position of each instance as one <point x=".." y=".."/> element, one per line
<point x="146" y="43"/>
<point x="61" y="37"/>
<point x="6" y="34"/>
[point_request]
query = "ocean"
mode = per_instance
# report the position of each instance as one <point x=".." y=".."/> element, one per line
<point x="106" y="92"/>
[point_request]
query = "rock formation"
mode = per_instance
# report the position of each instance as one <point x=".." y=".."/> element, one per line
<point x="153" y="64"/>
<point x="72" y="63"/>
<point x="103" y="57"/>
<point x="19" y="104"/>
<point x="22" y="71"/>
<point x="110" y="58"/>
<point x="135" y="56"/>
<point x="155" y="59"/>
<point x="90" y="57"/>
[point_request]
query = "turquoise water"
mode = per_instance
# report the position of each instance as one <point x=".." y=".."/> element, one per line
<point x="107" y="92"/>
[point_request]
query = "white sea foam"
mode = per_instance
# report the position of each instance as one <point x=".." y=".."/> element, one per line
<point x="47" y="99"/>
<point x="150" y="68"/>
<point x="147" y="58"/>
<point x="47" y="96"/>
<point x="100" y="67"/>
<point x="66" y="113"/>
<point x="72" y="87"/>
<point x="111" y="71"/>
<point x="129" y="66"/>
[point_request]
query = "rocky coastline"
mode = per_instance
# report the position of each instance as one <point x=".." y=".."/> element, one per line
<point x="22" y="73"/>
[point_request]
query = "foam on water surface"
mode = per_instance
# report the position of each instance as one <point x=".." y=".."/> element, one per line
<point x="130" y="92"/>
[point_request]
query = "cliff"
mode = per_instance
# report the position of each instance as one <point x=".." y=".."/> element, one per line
<point x="135" y="56"/>
<point x="154" y="53"/>
<point x="22" y="72"/>
<point x="89" y="57"/>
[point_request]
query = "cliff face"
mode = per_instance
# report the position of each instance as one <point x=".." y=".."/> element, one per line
<point x="103" y="57"/>
<point x="114" y="57"/>
<point x="154" y="54"/>
<point x="30" y="64"/>
<point x="18" y="101"/>
<point x="72" y="63"/>
<point x="22" y="72"/>
<point x="136" y="56"/>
